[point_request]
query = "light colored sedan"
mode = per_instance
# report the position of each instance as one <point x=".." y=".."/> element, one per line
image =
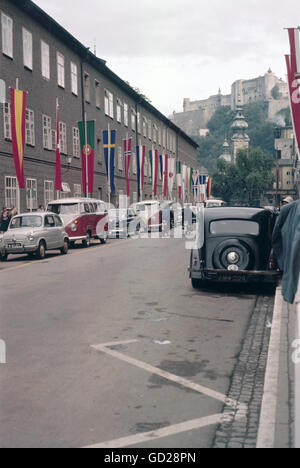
<point x="34" y="234"/>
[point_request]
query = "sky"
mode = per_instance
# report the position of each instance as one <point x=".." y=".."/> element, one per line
<point x="176" y="49"/>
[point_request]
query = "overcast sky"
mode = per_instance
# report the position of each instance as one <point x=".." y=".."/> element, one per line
<point x="176" y="49"/>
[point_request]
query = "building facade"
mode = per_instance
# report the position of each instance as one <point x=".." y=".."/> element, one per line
<point x="288" y="167"/>
<point x="51" y="64"/>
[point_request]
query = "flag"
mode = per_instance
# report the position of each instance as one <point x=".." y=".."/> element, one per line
<point x="184" y="186"/>
<point x="187" y="182"/>
<point x="18" y="119"/>
<point x="171" y="178"/>
<point x="165" y="160"/>
<point x="109" y="144"/>
<point x="195" y="180"/>
<point x="179" y="179"/>
<point x="127" y="155"/>
<point x="140" y="155"/>
<point x="87" y="145"/>
<point x="209" y="187"/>
<point x="58" y="178"/>
<point x="155" y="169"/>
<point x="293" y="70"/>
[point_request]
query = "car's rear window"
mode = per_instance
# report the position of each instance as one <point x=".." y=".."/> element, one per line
<point x="238" y="227"/>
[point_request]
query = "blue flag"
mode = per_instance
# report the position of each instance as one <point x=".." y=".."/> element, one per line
<point x="109" y="144"/>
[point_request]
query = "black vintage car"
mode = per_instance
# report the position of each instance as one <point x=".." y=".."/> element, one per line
<point x="236" y="247"/>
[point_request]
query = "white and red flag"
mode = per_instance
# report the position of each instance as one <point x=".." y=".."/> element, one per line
<point x="293" y="69"/>
<point x="127" y="157"/>
<point x="141" y="155"/>
<point x="155" y="170"/>
<point x="171" y="178"/>
<point x="165" y="175"/>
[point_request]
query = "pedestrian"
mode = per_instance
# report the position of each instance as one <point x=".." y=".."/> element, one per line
<point x="41" y="208"/>
<point x="287" y="201"/>
<point x="286" y="245"/>
<point x="4" y="220"/>
<point x="13" y="212"/>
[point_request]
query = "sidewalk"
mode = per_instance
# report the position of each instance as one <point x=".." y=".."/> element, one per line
<point x="277" y="428"/>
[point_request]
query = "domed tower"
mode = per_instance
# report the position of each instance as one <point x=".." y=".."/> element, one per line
<point x="226" y="152"/>
<point x="240" y="139"/>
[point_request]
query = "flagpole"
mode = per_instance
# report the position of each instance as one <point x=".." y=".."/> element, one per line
<point x="108" y="166"/>
<point x="86" y="157"/>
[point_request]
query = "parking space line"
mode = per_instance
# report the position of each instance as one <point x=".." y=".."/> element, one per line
<point x="160" y="433"/>
<point x="161" y="373"/>
<point x="171" y="430"/>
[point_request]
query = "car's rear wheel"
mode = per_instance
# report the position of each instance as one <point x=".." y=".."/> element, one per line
<point x="41" y="251"/>
<point x="233" y="253"/>
<point x="65" y="249"/>
<point x="3" y="257"/>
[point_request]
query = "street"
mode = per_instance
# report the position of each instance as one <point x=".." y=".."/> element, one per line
<point x="111" y="345"/>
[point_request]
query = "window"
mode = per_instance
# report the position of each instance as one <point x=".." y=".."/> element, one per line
<point x="155" y="133"/>
<point x="74" y="79"/>
<point x="29" y="126"/>
<point x="27" y="49"/>
<point x="133" y="120"/>
<point x="7" y="35"/>
<point x="98" y="94"/>
<point x="236" y="227"/>
<point x="109" y="104"/>
<point x="139" y="122"/>
<point x="87" y="88"/>
<point x="76" y="143"/>
<point x="134" y="163"/>
<point x="149" y="129"/>
<point x="31" y="194"/>
<point x="60" y="70"/>
<point x="7" y="121"/>
<point x="159" y="136"/>
<point x="77" y="191"/>
<point x="120" y="159"/>
<point x="119" y="111"/>
<point x="164" y="137"/>
<point x="145" y="127"/>
<point x="63" y="138"/>
<point x="48" y="192"/>
<point x="47" y="133"/>
<point x="45" y="55"/>
<point x="125" y="114"/>
<point x="12" y="193"/>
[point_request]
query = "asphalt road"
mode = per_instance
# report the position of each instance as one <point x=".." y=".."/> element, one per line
<point x="59" y="391"/>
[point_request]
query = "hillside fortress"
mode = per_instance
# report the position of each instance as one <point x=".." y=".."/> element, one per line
<point x="268" y="88"/>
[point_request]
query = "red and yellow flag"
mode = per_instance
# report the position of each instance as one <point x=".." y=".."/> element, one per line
<point x="18" y="119"/>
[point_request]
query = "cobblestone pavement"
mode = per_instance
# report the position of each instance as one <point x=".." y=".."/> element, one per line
<point x="239" y="427"/>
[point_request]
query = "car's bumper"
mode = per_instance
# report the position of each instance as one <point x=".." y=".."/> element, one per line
<point x="19" y="250"/>
<point x="224" y="276"/>
<point x="76" y="238"/>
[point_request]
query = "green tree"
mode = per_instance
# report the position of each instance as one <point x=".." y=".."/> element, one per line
<point x="246" y="181"/>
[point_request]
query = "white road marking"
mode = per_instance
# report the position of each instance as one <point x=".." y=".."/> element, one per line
<point x="267" y="426"/>
<point x="239" y="409"/>
<point x="160" y="433"/>
<point x="161" y="373"/>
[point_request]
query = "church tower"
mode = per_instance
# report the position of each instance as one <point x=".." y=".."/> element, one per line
<point x="226" y="152"/>
<point x="240" y="139"/>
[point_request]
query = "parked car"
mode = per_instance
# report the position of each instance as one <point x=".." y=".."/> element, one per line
<point x="236" y="247"/>
<point x="84" y="219"/>
<point x="213" y="203"/>
<point x="157" y="215"/>
<point x="34" y="234"/>
<point x="123" y="223"/>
